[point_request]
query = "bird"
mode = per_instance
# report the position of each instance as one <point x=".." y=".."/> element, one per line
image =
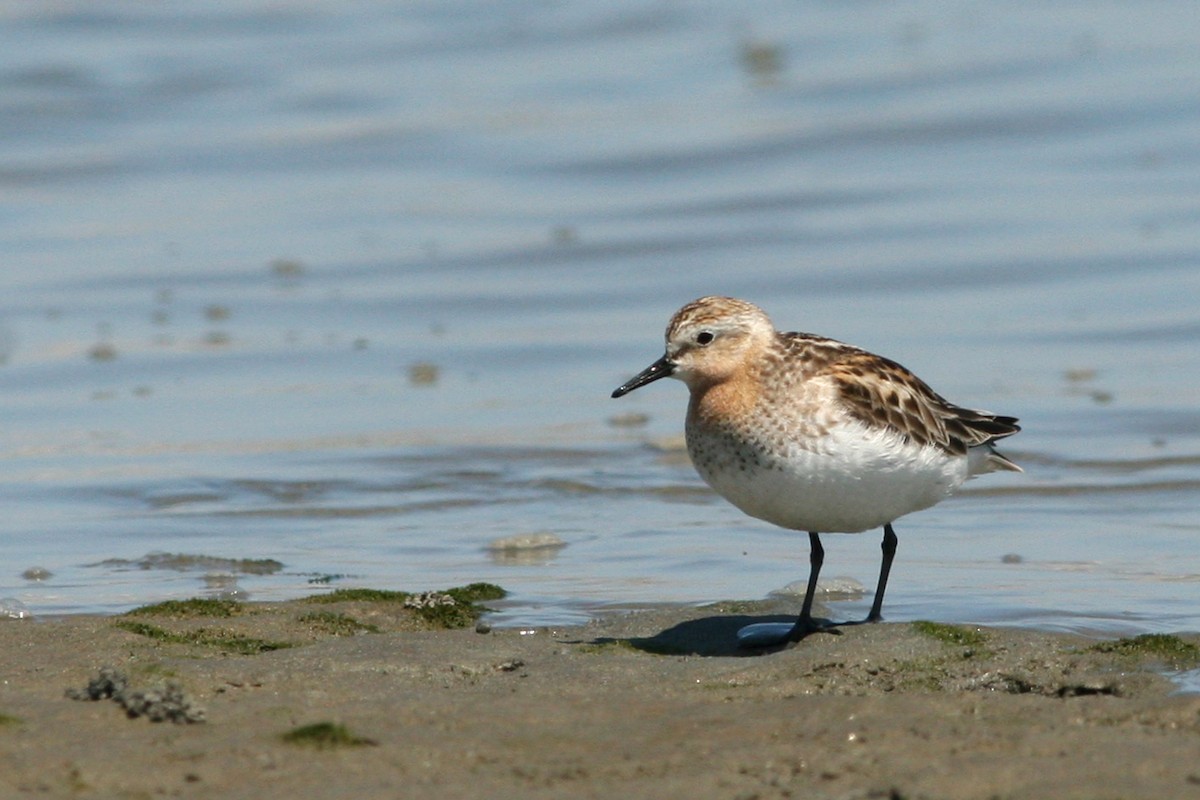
<point x="815" y="435"/>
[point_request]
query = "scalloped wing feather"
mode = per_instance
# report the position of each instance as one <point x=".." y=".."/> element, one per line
<point x="881" y="392"/>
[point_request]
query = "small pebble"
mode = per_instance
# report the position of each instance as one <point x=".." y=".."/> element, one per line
<point x="166" y="703"/>
<point x="12" y="608"/>
<point x="102" y="351"/>
<point x="527" y="541"/>
<point x="423" y="374"/>
<point x="429" y="600"/>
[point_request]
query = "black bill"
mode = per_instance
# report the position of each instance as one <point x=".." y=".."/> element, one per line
<point x="659" y="369"/>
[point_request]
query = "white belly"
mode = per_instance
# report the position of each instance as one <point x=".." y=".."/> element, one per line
<point x="850" y="480"/>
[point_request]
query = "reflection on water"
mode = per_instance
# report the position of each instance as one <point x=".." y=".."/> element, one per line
<point x="346" y="288"/>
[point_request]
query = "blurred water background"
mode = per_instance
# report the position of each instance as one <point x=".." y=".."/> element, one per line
<point x="314" y="294"/>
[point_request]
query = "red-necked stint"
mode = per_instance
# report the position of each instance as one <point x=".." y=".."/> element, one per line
<point x="816" y="435"/>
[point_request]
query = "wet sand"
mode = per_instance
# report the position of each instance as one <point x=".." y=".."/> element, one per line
<point x="652" y="703"/>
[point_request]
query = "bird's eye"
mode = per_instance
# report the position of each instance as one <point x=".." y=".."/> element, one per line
<point x="704" y="337"/>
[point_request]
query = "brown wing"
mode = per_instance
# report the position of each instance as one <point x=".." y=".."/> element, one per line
<point x="878" y="391"/>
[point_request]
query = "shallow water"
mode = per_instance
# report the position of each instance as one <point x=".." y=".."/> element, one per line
<point x="347" y="286"/>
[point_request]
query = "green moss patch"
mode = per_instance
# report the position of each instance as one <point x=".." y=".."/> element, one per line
<point x="6" y="719"/>
<point x="188" y="609"/>
<point x="359" y="596"/>
<point x="324" y="735"/>
<point x="477" y="592"/>
<point x="950" y="634"/>
<point x="457" y="607"/>
<point x="204" y="637"/>
<point x="1158" y="646"/>
<point x="336" y="624"/>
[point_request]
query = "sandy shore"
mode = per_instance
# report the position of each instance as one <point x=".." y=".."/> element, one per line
<point x="655" y="703"/>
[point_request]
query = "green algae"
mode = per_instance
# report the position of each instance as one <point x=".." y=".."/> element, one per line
<point x="1163" y="647"/>
<point x="950" y="634"/>
<point x="359" y="596"/>
<point x="204" y="637"/>
<point x="325" y="735"/>
<point x="336" y="624"/>
<point x="188" y="609"/>
<point x="457" y="607"/>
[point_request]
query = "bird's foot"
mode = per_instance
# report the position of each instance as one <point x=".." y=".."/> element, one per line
<point x="772" y="634"/>
<point x="869" y="620"/>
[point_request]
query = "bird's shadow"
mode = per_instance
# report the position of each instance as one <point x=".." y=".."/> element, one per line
<point x="706" y="636"/>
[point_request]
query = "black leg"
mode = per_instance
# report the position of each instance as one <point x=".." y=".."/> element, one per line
<point x="804" y="623"/>
<point x="889" y="552"/>
<point x="776" y="634"/>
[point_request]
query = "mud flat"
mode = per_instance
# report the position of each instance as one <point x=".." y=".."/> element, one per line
<point x="370" y="695"/>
